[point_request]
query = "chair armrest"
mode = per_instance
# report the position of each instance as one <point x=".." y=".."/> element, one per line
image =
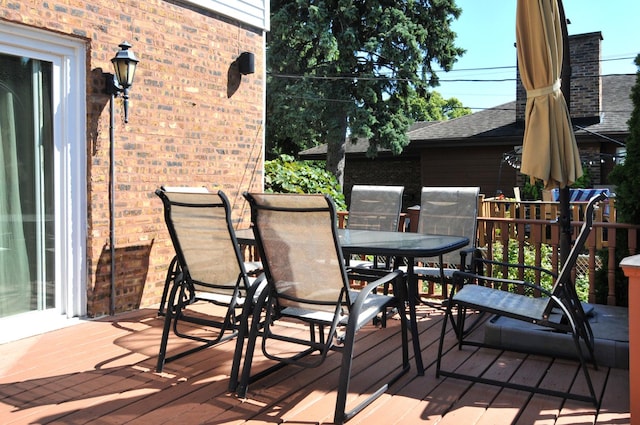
<point x="378" y="302"/>
<point x="388" y="277"/>
<point x="472" y="251"/>
<point x="461" y="278"/>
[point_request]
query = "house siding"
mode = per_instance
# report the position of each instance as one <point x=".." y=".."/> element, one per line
<point x="480" y="166"/>
<point x="193" y="121"/>
<point x="385" y="172"/>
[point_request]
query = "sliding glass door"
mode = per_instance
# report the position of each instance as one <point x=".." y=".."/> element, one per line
<point x="27" y="242"/>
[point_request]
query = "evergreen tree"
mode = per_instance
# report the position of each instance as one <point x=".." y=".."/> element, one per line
<point x="352" y="67"/>
<point x="626" y="176"/>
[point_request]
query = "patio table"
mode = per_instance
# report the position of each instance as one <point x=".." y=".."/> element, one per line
<point x="404" y="245"/>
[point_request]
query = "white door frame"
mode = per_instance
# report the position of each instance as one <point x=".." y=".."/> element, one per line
<point x="68" y="56"/>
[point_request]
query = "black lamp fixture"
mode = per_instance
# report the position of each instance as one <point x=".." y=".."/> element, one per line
<point x="246" y="63"/>
<point x="124" y="64"/>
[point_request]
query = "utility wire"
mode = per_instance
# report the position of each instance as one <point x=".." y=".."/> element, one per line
<point x="456" y="80"/>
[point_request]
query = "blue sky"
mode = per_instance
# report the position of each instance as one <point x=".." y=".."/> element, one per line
<point x="486" y="29"/>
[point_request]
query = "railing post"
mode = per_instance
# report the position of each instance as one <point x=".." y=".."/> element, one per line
<point x="611" y="268"/>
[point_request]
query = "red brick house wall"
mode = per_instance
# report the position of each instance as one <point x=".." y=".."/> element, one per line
<point x="193" y="121"/>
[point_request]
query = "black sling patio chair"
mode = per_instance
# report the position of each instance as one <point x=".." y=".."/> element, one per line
<point x="307" y="283"/>
<point x="447" y="211"/>
<point x="173" y="269"/>
<point x="558" y="309"/>
<point x="374" y="207"/>
<point x="208" y="267"/>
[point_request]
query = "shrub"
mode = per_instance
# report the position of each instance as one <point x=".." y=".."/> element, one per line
<point x="546" y="281"/>
<point x="286" y="175"/>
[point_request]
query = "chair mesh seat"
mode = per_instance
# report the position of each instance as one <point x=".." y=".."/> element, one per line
<point x="505" y="302"/>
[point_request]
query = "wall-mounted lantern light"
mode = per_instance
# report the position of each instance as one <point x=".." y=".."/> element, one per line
<point x="124" y="64"/>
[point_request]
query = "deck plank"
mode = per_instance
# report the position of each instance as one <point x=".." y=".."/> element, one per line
<point x="102" y="372"/>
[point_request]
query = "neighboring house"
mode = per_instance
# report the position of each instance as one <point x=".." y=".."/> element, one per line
<point x="194" y="120"/>
<point x="470" y="150"/>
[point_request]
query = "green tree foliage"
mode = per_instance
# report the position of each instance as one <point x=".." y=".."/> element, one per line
<point x="285" y="175"/>
<point x="625" y="176"/>
<point x="338" y="67"/>
<point x="434" y="107"/>
<point x="546" y="281"/>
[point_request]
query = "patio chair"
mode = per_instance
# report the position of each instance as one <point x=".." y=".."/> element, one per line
<point x="558" y="309"/>
<point x="173" y="269"/>
<point x="448" y="211"/>
<point x="373" y="208"/>
<point x="208" y="267"/>
<point x="307" y="283"/>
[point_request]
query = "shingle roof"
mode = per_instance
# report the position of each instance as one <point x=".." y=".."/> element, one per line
<point x="490" y="125"/>
<point x="616" y="104"/>
<point x="493" y="122"/>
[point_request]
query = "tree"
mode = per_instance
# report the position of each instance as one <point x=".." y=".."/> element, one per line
<point x="625" y="176"/>
<point x="339" y="68"/>
<point x="435" y="108"/>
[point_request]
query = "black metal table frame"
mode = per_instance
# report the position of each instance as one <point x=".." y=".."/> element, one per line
<point x="405" y="245"/>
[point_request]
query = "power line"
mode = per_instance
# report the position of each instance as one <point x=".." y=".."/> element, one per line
<point x="441" y="80"/>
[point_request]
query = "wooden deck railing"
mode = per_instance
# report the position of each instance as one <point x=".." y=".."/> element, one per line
<point x="538" y="232"/>
<point x="535" y="223"/>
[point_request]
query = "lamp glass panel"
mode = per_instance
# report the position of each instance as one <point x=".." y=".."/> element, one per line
<point x="125" y="71"/>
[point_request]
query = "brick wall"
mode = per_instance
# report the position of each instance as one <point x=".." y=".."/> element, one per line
<point x="193" y="121"/>
<point x="586" y="90"/>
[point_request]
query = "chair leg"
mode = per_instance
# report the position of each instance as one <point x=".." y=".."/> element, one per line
<point x="242" y="387"/>
<point x="169" y="317"/>
<point x="244" y="332"/>
<point x="340" y="414"/>
<point x="583" y="365"/>
<point x="448" y="316"/>
<point x="345" y="377"/>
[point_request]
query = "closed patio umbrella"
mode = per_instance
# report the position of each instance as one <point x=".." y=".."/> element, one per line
<point x="549" y="150"/>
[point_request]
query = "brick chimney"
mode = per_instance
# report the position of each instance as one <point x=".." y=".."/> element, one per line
<point x="586" y="88"/>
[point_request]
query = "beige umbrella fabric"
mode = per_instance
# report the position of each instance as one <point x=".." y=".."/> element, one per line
<point x="549" y="151"/>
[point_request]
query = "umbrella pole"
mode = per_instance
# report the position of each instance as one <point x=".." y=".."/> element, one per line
<point x="565" y="224"/>
<point x="564" y="193"/>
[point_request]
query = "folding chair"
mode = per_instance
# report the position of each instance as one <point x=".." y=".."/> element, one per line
<point x="559" y="309"/>
<point x="208" y="267"/>
<point x="307" y="283"/>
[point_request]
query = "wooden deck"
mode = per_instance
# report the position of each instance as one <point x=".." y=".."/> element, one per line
<point x="102" y="372"/>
